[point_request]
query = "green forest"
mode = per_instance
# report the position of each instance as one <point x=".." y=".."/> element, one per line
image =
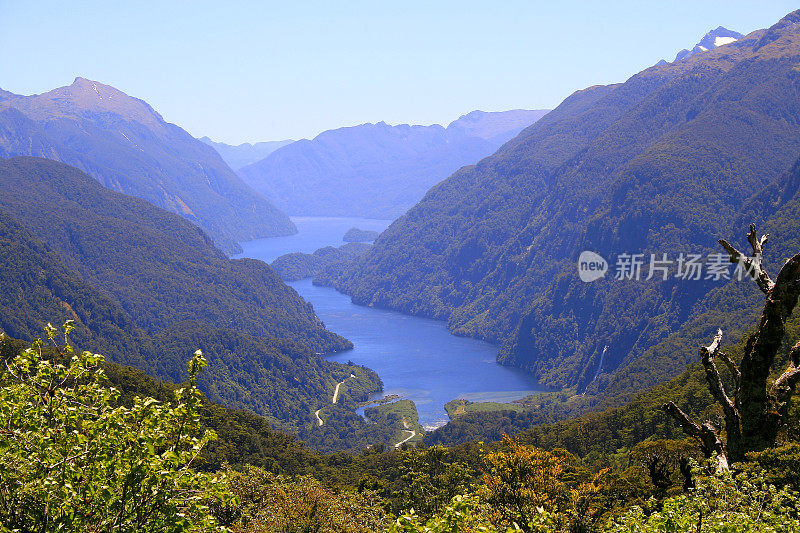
<point x="678" y="156"/>
<point x="180" y="462"/>
<point x="151" y="383"/>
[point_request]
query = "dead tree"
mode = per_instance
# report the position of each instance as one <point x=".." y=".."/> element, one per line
<point x="756" y="409"/>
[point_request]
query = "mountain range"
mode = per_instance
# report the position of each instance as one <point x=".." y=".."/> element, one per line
<point x="128" y="147"/>
<point x="377" y="170"/>
<point x="237" y="156"/>
<point x="665" y="163"/>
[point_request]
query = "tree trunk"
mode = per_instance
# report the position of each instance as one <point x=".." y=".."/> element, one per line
<point x="756" y="410"/>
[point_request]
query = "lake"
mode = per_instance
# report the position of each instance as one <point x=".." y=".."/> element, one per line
<point x="417" y="358"/>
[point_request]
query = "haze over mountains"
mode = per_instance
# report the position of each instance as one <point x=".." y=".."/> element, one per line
<point x="378" y="170"/>
<point x="663" y="163"/>
<point x="123" y="143"/>
<point x="243" y="154"/>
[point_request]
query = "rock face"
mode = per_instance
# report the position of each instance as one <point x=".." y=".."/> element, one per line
<point x="377" y="170"/>
<point x="128" y="147"/>
<point x="663" y="163"/>
<point x="711" y="40"/>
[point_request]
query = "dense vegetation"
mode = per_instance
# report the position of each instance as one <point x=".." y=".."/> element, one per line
<point x="128" y="147"/>
<point x="127" y="273"/>
<point x="87" y="444"/>
<point x="73" y="461"/>
<point x="61" y="470"/>
<point x="630" y="168"/>
<point x="160" y="268"/>
<point x="299" y="265"/>
<point x="360" y="235"/>
<point x="377" y="170"/>
<point x="617" y="478"/>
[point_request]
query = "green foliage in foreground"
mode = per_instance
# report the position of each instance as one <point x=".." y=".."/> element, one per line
<point x="73" y="460"/>
<point x="79" y="455"/>
<point x="724" y="502"/>
<point x="268" y="503"/>
<point x="721" y="503"/>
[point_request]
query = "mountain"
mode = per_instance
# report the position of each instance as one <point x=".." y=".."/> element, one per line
<point x="298" y="265"/>
<point x="128" y="147"/>
<point x="243" y="154"/>
<point x="711" y="40"/>
<point x="146" y="288"/>
<point x="161" y="268"/>
<point x="377" y="170"/>
<point x="664" y="163"/>
<point x="498" y="127"/>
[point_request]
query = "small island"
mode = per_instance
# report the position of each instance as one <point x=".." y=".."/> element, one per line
<point x="360" y="235"/>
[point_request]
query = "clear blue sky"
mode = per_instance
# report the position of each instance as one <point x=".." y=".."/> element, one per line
<point x="251" y="71"/>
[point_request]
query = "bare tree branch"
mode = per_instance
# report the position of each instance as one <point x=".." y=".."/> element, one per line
<point x="752" y="264"/>
<point x="713" y="378"/>
<point x="755" y="243"/>
<point x="734" y="370"/>
<point x="783" y="387"/>
<point x="758" y="410"/>
<point x="794" y="354"/>
<point x="706" y="434"/>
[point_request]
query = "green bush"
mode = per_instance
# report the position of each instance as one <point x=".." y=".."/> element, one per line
<point x="723" y="503"/>
<point x="73" y="459"/>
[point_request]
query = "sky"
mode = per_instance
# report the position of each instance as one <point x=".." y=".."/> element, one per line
<point x="258" y="71"/>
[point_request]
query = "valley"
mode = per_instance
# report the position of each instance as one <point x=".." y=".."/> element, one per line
<point x="416" y="358"/>
<point x="497" y="269"/>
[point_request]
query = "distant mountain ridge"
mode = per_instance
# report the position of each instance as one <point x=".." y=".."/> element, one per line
<point x="711" y="40"/>
<point x="378" y="170"/>
<point x="662" y="163"/>
<point x="243" y="154"/>
<point x="127" y="146"/>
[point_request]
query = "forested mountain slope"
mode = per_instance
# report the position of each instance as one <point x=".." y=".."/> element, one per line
<point x="377" y="170"/>
<point x="663" y="163"/>
<point x="123" y="143"/>
<point x="147" y="288"/>
<point x="159" y="267"/>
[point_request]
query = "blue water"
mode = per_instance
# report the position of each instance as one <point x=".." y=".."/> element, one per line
<point x="417" y="358"/>
<point x="312" y="234"/>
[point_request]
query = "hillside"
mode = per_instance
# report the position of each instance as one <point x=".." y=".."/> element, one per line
<point x="298" y="265"/>
<point x="128" y="273"/>
<point x="128" y="147"/>
<point x="377" y="170"/>
<point x="159" y="267"/>
<point x="663" y="163"/>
